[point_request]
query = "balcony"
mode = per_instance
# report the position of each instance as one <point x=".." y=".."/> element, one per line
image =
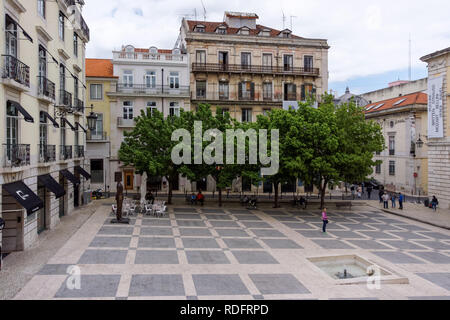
<point x="125" y="123"/>
<point x="65" y="99"/>
<point x="78" y="106"/>
<point x="85" y="29"/>
<point x="16" y="155"/>
<point x="79" y="152"/>
<point x="65" y="152"/>
<point x="253" y="69"/>
<point x="15" y="70"/>
<point x="46" y="89"/>
<point x="47" y="153"/>
<point x="96" y="136"/>
<point x="147" y="90"/>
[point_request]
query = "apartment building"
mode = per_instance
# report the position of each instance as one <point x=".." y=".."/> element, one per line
<point x="100" y="80"/>
<point x="248" y="69"/>
<point x="148" y="79"/>
<point x="404" y="123"/>
<point x="42" y="120"/>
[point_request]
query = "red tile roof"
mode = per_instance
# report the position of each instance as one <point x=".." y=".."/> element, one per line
<point x="403" y="101"/>
<point x="210" y="27"/>
<point x="99" y="68"/>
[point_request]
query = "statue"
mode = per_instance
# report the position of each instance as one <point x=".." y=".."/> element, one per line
<point x="119" y="200"/>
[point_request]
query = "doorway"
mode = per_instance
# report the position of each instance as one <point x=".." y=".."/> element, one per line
<point x="41" y="214"/>
<point x="202" y="184"/>
<point x="129" y="180"/>
<point x="62" y="200"/>
<point x="223" y="60"/>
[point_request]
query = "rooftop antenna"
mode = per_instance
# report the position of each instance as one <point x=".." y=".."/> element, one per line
<point x="410" y="58"/>
<point x="291" y="22"/>
<point x="284" y="19"/>
<point x="204" y="11"/>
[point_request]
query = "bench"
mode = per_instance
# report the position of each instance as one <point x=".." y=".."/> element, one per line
<point x="344" y="204"/>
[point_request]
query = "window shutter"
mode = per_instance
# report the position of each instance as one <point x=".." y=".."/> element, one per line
<point x="294" y="91"/>
<point x="240" y="90"/>
<point x="303" y="96"/>
<point x="252" y="90"/>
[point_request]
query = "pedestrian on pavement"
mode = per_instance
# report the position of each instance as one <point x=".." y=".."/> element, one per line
<point x="353" y="191"/>
<point x="434" y="203"/>
<point x="401" y="198"/>
<point x="385" y="201"/>
<point x="393" y="199"/>
<point x="359" y="192"/>
<point x="380" y="195"/>
<point x="200" y="197"/>
<point x="324" y="220"/>
<point x="369" y="191"/>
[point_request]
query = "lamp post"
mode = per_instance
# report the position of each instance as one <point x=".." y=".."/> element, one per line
<point x="92" y="119"/>
<point x="419" y="142"/>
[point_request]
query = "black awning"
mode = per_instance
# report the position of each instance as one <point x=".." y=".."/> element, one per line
<point x="27" y="198"/>
<point x="23" y="30"/>
<point x="22" y="110"/>
<point x="49" y="117"/>
<point x="51" y="184"/>
<point x="80" y="126"/>
<point x="70" y="125"/>
<point x="83" y="172"/>
<point x="69" y="176"/>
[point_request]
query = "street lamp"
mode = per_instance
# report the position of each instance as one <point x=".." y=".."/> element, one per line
<point x="419" y="142"/>
<point x="92" y="119"/>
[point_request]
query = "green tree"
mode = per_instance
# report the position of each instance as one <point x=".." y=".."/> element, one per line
<point x="149" y="145"/>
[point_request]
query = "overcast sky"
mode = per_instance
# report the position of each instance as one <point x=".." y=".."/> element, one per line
<point x="368" y="39"/>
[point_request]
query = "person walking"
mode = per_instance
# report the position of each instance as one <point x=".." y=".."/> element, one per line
<point x="369" y="191"/>
<point x="353" y="191"/>
<point x="401" y="198"/>
<point x="324" y="220"/>
<point x="393" y="200"/>
<point x="385" y="201"/>
<point x="359" y="192"/>
<point x="434" y="203"/>
<point x="380" y="195"/>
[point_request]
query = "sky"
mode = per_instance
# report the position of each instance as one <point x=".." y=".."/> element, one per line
<point x="369" y="39"/>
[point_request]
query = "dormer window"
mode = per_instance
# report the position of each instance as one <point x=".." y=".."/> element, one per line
<point x="221" y="30"/>
<point x="199" y="28"/>
<point x="129" y="49"/>
<point x="153" y="50"/>
<point x="264" y="33"/>
<point x="176" y="51"/>
<point x="244" y="31"/>
<point x="285" y="33"/>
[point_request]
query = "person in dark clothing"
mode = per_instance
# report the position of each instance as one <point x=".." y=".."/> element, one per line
<point x="434" y="203"/>
<point x="200" y="197"/>
<point x="369" y="191"/>
<point x="150" y="197"/>
<point x="401" y="199"/>
<point x="380" y="195"/>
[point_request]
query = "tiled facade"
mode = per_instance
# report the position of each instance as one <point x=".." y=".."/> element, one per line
<point x="42" y="71"/>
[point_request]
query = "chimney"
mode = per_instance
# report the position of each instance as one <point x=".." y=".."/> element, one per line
<point x="240" y="19"/>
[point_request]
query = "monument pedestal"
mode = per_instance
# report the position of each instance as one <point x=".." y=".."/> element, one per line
<point x="122" y="221"/>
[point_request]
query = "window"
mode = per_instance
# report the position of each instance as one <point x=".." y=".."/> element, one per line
<point x="267" y="91"/>
<point x="245" y="31"/>
<point x="75" y="90"/>
<point x="97" y="171"/>
<point x="285" y="34"/>
<point x="62" y="77"/>
<point x="62" y="132"/>
<point x="97" y="134"/>
<point x="225" y="110"/>
<point x="221" y="30"/>
<point x="11" y="37"/>
<point x="246" y="115"/>
<point x="223" y="90"/>
<point x="41" y="8"/>
<point x="201" y="89"/>
<point x="151" y="106"/>
<point x="267" y="60"/>
<point x="223" y="58"/>
<point x="128" y="79"/>
<point x="391" y="124"/>
<point x="308" y="63"/>
<point x="12" y="128"/>
<point x="128" y="110"/>
<point x="199" y="29"/>
<point x="308" y="91"/>
<point x="391" y="145"/>
<point x="200" y="56"/>
<point x="288" y="62"/>
<point x="246" y="60"/>
<point x="378" y="169"/>
<point x="96" y="91"/>
<point x="75" y="44"/>
<point x="43" y="134"/>
<point x="174" y="109"/>
<point x="290" y="92"/>
<point x="43" y="86"/>
<point x="61" y="26"/>
<point x="392" y="168"/>
<point x="150" y="79"/>
<point x="246" y="90"/>
<point x="174" y="80"/>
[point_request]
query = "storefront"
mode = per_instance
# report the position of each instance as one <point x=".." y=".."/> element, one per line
<point x="47" y="184"/>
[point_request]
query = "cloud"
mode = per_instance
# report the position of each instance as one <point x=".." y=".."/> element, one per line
<point x="366" y="37"/>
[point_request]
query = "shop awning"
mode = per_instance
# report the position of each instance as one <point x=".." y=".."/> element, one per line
<point x="27" y="198"/>
<point x="49" y="117"/>
<point x="69" y="176"/>
<point x="22" y="110"/>
<point x="80" y="126"/>
<point x="51" y="184"/>
<point x="83" y="172"/>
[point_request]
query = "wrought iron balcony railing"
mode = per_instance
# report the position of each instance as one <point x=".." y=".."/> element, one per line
<point x="79" y="151"/>
<point x="16" y="155"/>
<point x="65" y="99"/>
<point x="46" y="87"/>
<point x="96" y="136"/>
<point x="65" y="152"/>
<point x="243" y="68"/>
<point x="148" y="89"/>
<point x="47" y="153"/>
<point x="78" y="105"/>
<point x="16" y="70"/>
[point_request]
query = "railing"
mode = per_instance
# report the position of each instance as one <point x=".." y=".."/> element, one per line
<point x="85" y="28"/>
<point x="65" y="98"/>
<point x="148" y="56"/>
<point x="16" y="155"/>
<point x="96" y="136"/>
<point x="65" y="152"/>
<point x="16" y="70"/>
<point x="47" y="153"/>
<point x="78" y="106"/>
<point x="242" y="68"/>
<point x="46" y="87"/>
<point x="79" y="151"/>
<point x="152" y="90"/>
<point x="125" y="123"/>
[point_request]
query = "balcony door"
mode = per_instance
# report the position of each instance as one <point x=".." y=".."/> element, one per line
<point x="288" y="62"/>
<point x="223" y="60"/>
<point x="150" y="80"/>
<point x="128" y="79"/>
<point x="267" y="61"/>
<point x="290" y="92"/>
<point x="174" y="80"/>
<point x="42" y="70"/>
<point x="11" y="37"/>
<point x="43" y="136"/>
<point x="246" y="60"/>
<point x="97" y="134"/>
<point x="308" y="63"/>
<point x="12" y="130"/>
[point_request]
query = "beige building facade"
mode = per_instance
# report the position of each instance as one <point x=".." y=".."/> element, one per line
<point x="42" y="169"/>
<point x="439" y="144"/>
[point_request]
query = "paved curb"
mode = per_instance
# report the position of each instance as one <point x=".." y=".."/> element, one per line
<point x="412" y="218"/>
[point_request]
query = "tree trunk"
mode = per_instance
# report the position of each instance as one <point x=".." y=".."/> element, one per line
<point x="323" y="189"/>
<point x="276" y="184"/>
<point x="169" y="198"/>
<point x="220" y="197"/>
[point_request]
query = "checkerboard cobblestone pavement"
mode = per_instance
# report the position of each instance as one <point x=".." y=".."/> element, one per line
<point x="232" y="253"/>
